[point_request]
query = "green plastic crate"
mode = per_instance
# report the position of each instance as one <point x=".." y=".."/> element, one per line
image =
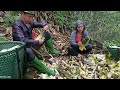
<point x="114" y="52"/>
<point x="12" y="62"/>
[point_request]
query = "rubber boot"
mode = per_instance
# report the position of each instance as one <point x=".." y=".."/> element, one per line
<point x="49" y="47"/>
<point x="41" y="67"/>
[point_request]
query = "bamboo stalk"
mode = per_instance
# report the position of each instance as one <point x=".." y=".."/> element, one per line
<point x="94" y="70"/>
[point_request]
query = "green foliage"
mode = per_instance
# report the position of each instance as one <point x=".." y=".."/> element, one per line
<point x="10" y="17"/>
<point x="64" y="19"/>
<point x="60" y="17"/>
<point x="3" y="39"/>
<point x="103" y="26"/>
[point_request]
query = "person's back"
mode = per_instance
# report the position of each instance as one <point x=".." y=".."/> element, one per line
<point x="19" y="24"/>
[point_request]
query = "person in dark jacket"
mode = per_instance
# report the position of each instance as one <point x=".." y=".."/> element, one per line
<point x="77" y="36"/>
<point x="22" y="31"/>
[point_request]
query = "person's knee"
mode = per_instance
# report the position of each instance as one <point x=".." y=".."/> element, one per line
<point x="72" y="51"/>
<point x="30" y="54"/>
<point x="89" y="48"/>
<point x="47" y="35"/>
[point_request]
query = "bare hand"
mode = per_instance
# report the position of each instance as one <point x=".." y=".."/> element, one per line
<point x="84" y="49"/>
<point x="41" y="41"/>
<point x="45" y="27"/>
<point x="79" y="44"/>
<point x="87" y="37"/>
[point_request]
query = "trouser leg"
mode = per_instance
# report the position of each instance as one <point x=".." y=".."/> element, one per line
<point x="88" y="49"/>
<point x="30" y="54"/>
<point x="72" y="51"/>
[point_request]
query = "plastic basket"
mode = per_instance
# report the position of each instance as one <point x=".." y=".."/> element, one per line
<point x="114" y="52"/>
<point x="12" y="62"/>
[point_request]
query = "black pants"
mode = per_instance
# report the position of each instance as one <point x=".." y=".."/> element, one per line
<point x="29" y="52"/>
<point x="74" y="51"/>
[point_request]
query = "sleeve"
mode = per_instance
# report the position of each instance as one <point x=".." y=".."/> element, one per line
<point x="38" y="24"/>
<point x="19" y="35"/>
<point x="85" y="33"/>
<point x="72" y="40"/>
